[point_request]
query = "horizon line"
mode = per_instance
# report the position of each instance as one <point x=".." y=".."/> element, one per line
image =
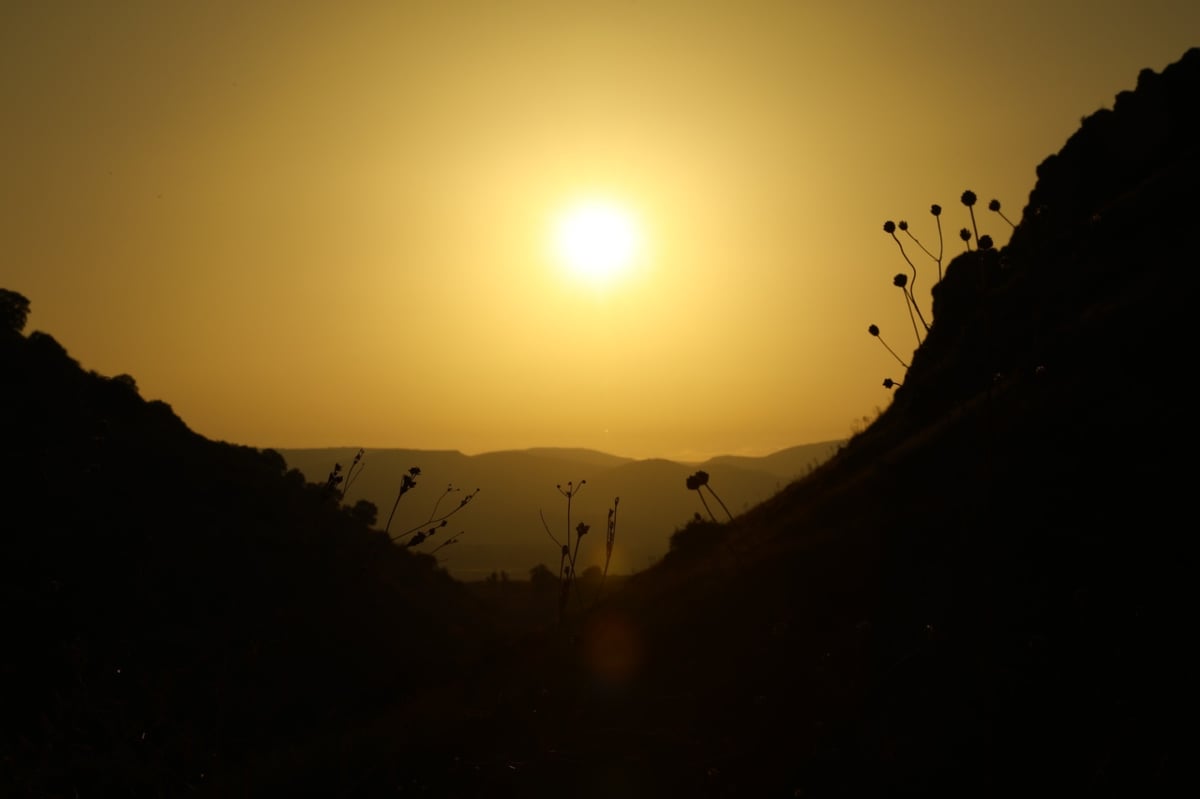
<point x="686" y="457"/>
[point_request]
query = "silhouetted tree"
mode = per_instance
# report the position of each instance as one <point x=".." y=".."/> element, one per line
<point x="541" y="580"/>
<point x="365" y="512"/>
<point x="14" y="311"/>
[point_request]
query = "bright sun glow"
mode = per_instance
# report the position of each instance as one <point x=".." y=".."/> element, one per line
<point x="596" y="240"/>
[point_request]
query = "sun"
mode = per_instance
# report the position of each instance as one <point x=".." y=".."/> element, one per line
<point x="597" y="240"/>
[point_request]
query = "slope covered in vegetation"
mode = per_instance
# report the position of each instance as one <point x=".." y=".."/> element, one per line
<point x="983" y="594"/>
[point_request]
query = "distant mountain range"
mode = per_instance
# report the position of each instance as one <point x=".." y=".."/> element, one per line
<point x="503" y="530"/>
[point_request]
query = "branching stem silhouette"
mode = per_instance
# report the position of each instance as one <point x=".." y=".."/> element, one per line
<point x="889" y="227"/>
<point x="438" y="521"/>
<point x="919" y="244"/>
<point x="356" y="466"/>
<point x="407" y="483"/>
<point x="566" y="567"/>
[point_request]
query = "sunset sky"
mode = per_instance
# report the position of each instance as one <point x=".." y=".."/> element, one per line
<point x="309" y="224"/>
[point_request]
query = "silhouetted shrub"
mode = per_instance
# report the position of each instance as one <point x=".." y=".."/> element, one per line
<point x="696" y="539"/>
<point x="14" y="311"/>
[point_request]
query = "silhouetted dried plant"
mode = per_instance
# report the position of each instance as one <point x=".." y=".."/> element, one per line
<point x="356" y="466"/>
<point x="420" y="533"/>
<point x="874" y="331"/>
<point x="699" y="480"/>
<point x="610" y="538"/>
<point x="994" y="205"/>
<point x="889" y="227"/>
<point x="407" y="483"/>
<point x="965" y="235"/>
<point x="936" y="210"/>
<point x="566" y="563"/>
<point x="901" y="282"/>
<point x="334" y="479"/>
<point x="693" y="484"/>
<point x="451" y="540"/>
<point x="968" y="199"/>
<point x="936" y="258"/>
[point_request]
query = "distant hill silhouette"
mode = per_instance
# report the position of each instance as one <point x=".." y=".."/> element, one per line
<point x="985" y="593"/>
<point x="786" y="464"/>
<point x="503" y="530"/>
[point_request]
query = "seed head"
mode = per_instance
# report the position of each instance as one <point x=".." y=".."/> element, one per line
<point x="903" y="225"/>
<point x="900" y="280"/>
<point x="889" y="226"/>
<point x="994" y="205"/>
<point x="985" y="242"/>
<point x="873" y="330"/>
<point x="964" y="234"/>
<point x="935" y="209"/>
<point x="968" y="198"/>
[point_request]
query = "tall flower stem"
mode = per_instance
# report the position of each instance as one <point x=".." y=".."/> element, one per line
<point x="874" y="331"/>
<point x="694" y="484"/>
<point x="919" y="244"/>
<point x="968" y="199"/>
<point x="609" y="539"/>
<point x="407" y="483"/>
<point x="908" y="303"/>
<point x="566" y="565"/>
<point x="889" y="227"/>
<point x="936" y="210"/>
<point x="994" y="205"/>
<point x="704" y="502"/>
<point x="718" y="499"/>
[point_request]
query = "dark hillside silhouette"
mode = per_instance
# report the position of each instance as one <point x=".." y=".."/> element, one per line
<point x="984" y="594"/>
<point x="179" y="610"/>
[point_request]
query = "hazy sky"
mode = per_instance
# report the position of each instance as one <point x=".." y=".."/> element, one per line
<point x="307" y="224"/>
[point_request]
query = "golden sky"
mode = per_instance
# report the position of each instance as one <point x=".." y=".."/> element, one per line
<point x="308" y="224"/>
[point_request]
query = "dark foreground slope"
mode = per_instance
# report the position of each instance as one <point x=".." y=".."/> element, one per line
<point x="180" y="612"/>
<point x="984" y="594"/>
